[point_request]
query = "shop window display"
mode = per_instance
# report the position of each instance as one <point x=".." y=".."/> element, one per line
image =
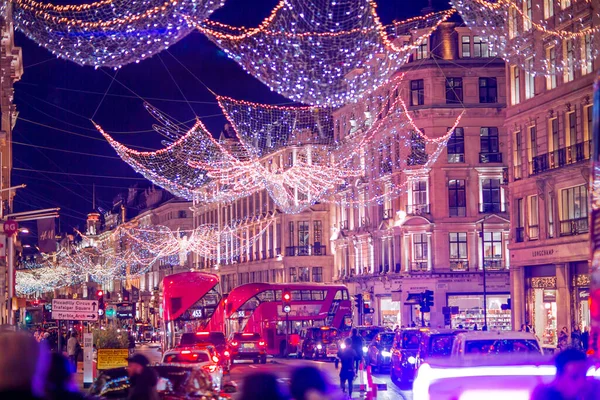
<point x="470" y="311"/>
<point x="544" y="316"/>
<point x="390" y="313"/>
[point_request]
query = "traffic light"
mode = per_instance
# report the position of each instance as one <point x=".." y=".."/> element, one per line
<point x="358" y="301"/>
<point x="367" y="309"/>
<point x="27" y="318"/>
<point x="286" y="299"/>
<point x="100" y="297"/>
<point x="426" y="301"/>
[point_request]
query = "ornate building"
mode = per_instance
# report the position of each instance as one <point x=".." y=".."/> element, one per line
<point x="549" y="122"/>
<point x="430" y="237"/>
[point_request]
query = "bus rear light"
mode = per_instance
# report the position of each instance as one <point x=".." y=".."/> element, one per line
<point x="226" y="353"/>
<point x="247" y="334"/>
<point x="234" y="343"/>
<point x="215" y="359"/>
<point x="186" y="352"/>
<point x="210" y="368"/>
<point x="262" y="343"/>
<point x="202" y="333"/>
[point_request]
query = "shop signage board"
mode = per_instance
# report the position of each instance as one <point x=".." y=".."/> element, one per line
<point x="88" y="358"/>
<point x="112" y="358"/>
<point x="75" y="310"/>
<point x="125" y="310"/>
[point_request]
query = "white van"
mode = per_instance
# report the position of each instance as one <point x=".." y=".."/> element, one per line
<point x="478" y="343"/>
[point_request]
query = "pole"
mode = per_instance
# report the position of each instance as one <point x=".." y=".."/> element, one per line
<point x="484" y="277"/>
<point x="287" y="333"/>
<point x="10" y="258"/>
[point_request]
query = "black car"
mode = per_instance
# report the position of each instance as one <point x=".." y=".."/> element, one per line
<point x="215" y="339"/>
<point x="404" y="355"/>
<point x="379" y="353"/>
<point x="175" y="383"/>
<point x="437" y="343"/>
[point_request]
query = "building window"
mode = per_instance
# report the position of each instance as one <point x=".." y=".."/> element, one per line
<point x="550" y="216"/>
<point x="551" y="67"/>
<point x="515" y="85"/>
<point x="419" y="198"/>
<point x="490" y="146"/>
<point x="517" y="155"/>
<point x="454" y="91"/>
<point x="317" y="274"/>
<point x="492" y="250"/>
<point x="569" y="60"/>
<point x="548" y="8"/>
<point x="488" y="90"/>
<point x="520" y="228"/>
<point x="529" y="79"/>
<point x="565" y="4"/>
<point x="513" y="23"/>
<point x="418" y="155"/>
<point x="458" y="246"/>
<point x="456" y="146"/>
<point x="574" y="211"/>
<point x="293" y="275"/>
<point x="466" y="46"/>
<point x="422" y="50"/>
<point x="586" y="54"/>
<point x="318" y="232"/>
<point x="417" y="92"/>
<point x="291" y="234"/>
<point x="420" y="247"/>
<point x="182" y="214"/>
<point x="303" y="234"/>
<point x="587" y="126"/>
<point x="532" y="150"/>
<point x="480" y="47"/>
<point x="554" y="139"/>
<point x="527" y="15"/>
<point x="534" y="221"/>
<point x="571" y="133"/>
<point x="304" y="275"/>
<point x="457" y="198"/>
<point x="490" y="195"/>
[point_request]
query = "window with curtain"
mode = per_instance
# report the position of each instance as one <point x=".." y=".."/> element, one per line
<point x="458" y="245"/>
<point x="420" y="247"/>
<point x="422" y="50"/>
<point x="417" y="92"/>
<point x="466" y="46"/>
<point x="303" y="233"/>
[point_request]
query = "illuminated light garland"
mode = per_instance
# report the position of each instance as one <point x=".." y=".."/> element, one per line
<point x="510" y="33"/>
<point x="109" y="33"/>
<point x="322" y="52"/>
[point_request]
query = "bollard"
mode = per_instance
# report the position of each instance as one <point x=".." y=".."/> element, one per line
<point x="372" y="388"/>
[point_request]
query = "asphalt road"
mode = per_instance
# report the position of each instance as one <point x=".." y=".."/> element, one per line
<point x="283" y="367"/>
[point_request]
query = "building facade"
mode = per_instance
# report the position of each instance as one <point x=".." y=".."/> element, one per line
<point x="549" y="120"/>
<point x="430" y="237"/>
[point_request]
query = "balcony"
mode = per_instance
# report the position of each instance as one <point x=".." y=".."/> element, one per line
<point x="561" y="157"/>
<point x="299" y="251"/>
<point x="572" y="227"/>
<point x="519" y="235"/>
<point x="387" y="214"/>
<point x="417" y="209"/>
<point x="486" y="158"/>
<point x="534" y="232"/>
<point x="419" y="267"/>
<point x="493" y="264"/>
<point x="459" y="265"/>
<point x="487" y="208"/>
<point x="458" y="211"/>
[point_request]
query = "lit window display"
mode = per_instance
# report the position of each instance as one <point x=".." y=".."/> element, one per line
<point x="390" y="312"/>
<point x="543" y="309"/>
<point x="470" y="311"/>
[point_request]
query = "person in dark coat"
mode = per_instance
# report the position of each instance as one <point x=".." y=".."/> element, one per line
<point x="346" y="357"/>
<point x="357" y="345"/>
<point x="60" y="383"/>
<point x="143" y="379"/>
<point x="23" y="366"/>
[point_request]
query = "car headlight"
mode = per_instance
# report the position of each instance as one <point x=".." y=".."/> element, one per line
<point x="386" y="353"/>
<point x="319" y="346"/>
<point x="365" y="349"/>
<point x="343" y="346"/>
<point x="411" y="360"/>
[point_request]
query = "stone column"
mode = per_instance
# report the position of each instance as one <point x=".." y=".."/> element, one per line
<point x="563" y="297"/>
<point x="518" y="296"/>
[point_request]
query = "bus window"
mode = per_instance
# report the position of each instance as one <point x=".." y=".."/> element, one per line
<point x="296" y="295"/>
<point x="317" y="295"/>
<point x="278" y="295"/>
<point x="345" y="294"/>
<point x="338" y="295"/>
<point x="267" y="295"/>
<point x="305" y="294"/>
<point x="250" y="305"/>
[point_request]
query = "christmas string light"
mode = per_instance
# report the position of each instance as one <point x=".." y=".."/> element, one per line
<point x="109" y="33"/>
<point x="322" y="52"/>
<point x="532" y="43"/>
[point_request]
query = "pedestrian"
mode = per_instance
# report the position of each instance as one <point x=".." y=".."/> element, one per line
<point x="485" y="328"/>
<point x="563" y="338"/>
<point x="143" y="380"/>
<point x="523" y="328"/>
<point x="357" y="344"/>
<point x="308" y="383"/>
<point x="261" y="386"/>
<point x="72" y="344"/>
<point x="23" y="366"/>
<point x="585" y="338"/>
<point x="346" y="357"/>
<point x="60" y="382"/>
<point x="474" y="327"/>
<point x="570" y="382"/>
<point x="397" y="328"/>
<point x="576" y="337"/>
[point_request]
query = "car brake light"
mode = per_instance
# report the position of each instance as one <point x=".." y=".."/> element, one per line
<point x="215" y="359"/>
<point x="210" y="368"/>
<point x="201" y="333"/>
<point x="261" y="343"/>
<point x="186" y="352"/>
<point x="234" y="343"/>
<point x="247" y="334"/>
<point x="226" y="353"/>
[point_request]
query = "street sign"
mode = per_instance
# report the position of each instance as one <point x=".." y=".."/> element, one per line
<point x="112" y="358"/>
<point x="10" y="227"/>
<point x="74" y="309"/>
<point x="88" y="358"/>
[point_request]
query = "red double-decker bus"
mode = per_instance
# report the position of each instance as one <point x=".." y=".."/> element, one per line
<point x="257" y="307"/>
<point x="190" y="300"/>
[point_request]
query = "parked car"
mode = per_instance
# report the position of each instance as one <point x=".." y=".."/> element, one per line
<point x="436" y="344"/>
<point x="379" y="353"/>
<point x="479" y="343"/>
<point x="199" y="357"/>
<point x="175" y="383"/>
<point x="318" y="342"/>
<point x="404" y="355"/>
<point x="215" y="339"/>
<point x="248" y="346"/>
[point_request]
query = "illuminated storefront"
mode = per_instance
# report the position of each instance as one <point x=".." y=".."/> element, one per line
<point x="470" y="311"/>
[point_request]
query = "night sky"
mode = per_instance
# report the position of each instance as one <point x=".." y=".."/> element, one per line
<point x="57" y="98"/>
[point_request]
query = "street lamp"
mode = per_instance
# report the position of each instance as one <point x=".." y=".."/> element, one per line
<point x="24" y="230"/>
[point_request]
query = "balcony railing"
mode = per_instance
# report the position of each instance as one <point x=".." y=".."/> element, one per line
<point x="458" y="211"/>
<point x="575" y="226"/>
<point x="485" y="158"/>
<point x="387" y="214"/>
<point x="417" y="209"/>
<point x="459" y="265"/>
<point x="485" y="208"/>
<point x="419" y="266"/>
<point x="534" y="232"/>
<point x="493" y="264"/>
<point x="299" y="251"/>
<point x="519" y="235"/>
<point x="561" y="157"/>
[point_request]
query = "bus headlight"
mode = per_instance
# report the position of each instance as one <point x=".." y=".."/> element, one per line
<point x="411" y="360"/>
<point x="343" y="346"/>
<point x="320" y="346"/>
<point x="386" y="353"/>
<point x="365" y="349"/>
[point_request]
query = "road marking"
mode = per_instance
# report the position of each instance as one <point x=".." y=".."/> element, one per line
<point x="252" y="366"/>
